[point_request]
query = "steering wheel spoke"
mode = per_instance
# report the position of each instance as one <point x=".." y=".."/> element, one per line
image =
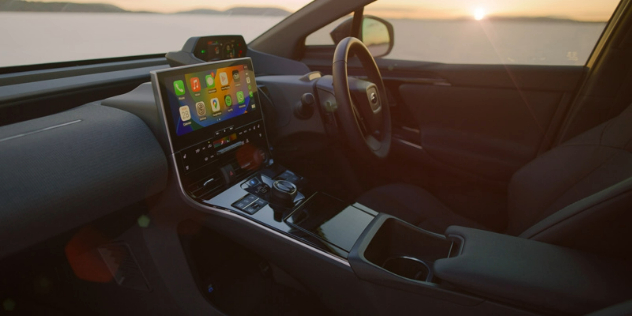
<point x="359" y="119"/>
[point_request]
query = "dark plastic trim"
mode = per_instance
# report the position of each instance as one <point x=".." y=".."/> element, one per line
<point x="34" y="67"/>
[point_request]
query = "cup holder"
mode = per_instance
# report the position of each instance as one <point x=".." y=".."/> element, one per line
<point x="408" y="267"/>
<point x="406" y="250"/>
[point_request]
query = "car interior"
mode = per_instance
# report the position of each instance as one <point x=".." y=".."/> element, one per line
<point x="278" y="178"/>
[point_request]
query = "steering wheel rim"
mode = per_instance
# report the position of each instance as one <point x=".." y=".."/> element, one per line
<point x="372" y="144"/>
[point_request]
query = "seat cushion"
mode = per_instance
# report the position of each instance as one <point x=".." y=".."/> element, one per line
<point x="414" y="205"/>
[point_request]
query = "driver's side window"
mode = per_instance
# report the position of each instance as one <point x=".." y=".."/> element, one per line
<point x="499" y="32"/>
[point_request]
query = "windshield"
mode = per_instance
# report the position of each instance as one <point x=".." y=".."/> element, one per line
<point x="53" y="31"/>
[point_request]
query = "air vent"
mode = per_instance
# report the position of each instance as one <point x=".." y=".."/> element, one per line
<point x="207" y="185"/>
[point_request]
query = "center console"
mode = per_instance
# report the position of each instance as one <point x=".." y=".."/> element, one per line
<point x="218" y="142"/>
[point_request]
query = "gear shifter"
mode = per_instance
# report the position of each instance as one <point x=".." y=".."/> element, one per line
<point x="283" y="193"/>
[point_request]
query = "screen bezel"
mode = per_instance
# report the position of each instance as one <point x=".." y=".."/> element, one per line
<point x="180" y="142"/>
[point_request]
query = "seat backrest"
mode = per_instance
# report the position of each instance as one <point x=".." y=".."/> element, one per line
<point x="583" y="186"/>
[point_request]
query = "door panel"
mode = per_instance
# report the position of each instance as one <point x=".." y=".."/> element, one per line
<point x="488" y="120"/>
<point x="486" y="131"/>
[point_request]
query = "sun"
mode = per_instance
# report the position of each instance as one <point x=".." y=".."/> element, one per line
<point x="479" y="14"/>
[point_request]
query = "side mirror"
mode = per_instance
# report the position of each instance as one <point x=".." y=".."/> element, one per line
<point x="376" y="33"/>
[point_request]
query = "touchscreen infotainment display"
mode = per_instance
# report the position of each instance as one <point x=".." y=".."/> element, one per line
<point x="203" y="98"/>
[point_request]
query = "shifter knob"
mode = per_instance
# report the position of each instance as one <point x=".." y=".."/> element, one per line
<point x="283" y="193"/>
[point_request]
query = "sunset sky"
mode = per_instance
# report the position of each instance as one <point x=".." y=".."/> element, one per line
<point x="586" y="10"/>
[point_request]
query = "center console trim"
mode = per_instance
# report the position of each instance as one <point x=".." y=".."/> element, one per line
<point x="210" y="209"/>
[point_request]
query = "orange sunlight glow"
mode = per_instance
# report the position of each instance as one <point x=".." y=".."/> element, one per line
<point x="479" y="14"/>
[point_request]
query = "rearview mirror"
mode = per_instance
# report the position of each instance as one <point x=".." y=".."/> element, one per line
<point x="377" y="34"/>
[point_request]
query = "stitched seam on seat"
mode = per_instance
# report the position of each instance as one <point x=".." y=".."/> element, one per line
<point x="603" y="131"/>
<point x="572" y="186"/>
<point x="576" y="213"/>
<point x="627" y="144"/>
<point x="608" y="126"/>
<point x="596" y="145"/>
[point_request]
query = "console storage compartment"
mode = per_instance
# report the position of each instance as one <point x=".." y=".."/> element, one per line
<point x="526" y="272"/>
<point x="468" y="266"/>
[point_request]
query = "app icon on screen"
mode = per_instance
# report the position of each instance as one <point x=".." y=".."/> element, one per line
<point x="185" y="114"/>
<point x="178" y="87"/>
<point x="247" y="79"/>
<point x="200" y="108"/>
<point x="236" y="75"/>
<point x="240" y="97"/>
<point x="228" y="100"/>
<point x="195" y="84"/>
<point x="215" y="105"/>
<point x="210" y="80"/>
<point x="223" y="78"/>
<point x="251" y="94"/>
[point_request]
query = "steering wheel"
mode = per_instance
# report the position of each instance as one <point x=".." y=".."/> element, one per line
<point x="367" y="121"/>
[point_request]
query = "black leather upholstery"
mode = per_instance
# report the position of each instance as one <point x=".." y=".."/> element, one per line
<point x="559" y="182"/>
<point x="585" y="165"/>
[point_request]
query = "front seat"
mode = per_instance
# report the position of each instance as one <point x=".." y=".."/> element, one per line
<point x="566" y="196"/>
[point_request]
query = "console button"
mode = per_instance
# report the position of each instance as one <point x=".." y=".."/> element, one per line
<point x="261" y="189"/>
<point x="250" y="204"/>
<point x="186" y="161"/>
<point x="186" y="156"/>
<point x="249" y="198"/>
<point x="254" y="207"/>
<point x="253" y="182"/>
<point x="186" y="168"/>
<point x="207" y="158"/>
<point x="240" y="204"/>
<point x="229" y="173"/>
<point x="193" y="158"/>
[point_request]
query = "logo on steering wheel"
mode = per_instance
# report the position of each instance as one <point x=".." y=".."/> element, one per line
<point x="373" y="98"/>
